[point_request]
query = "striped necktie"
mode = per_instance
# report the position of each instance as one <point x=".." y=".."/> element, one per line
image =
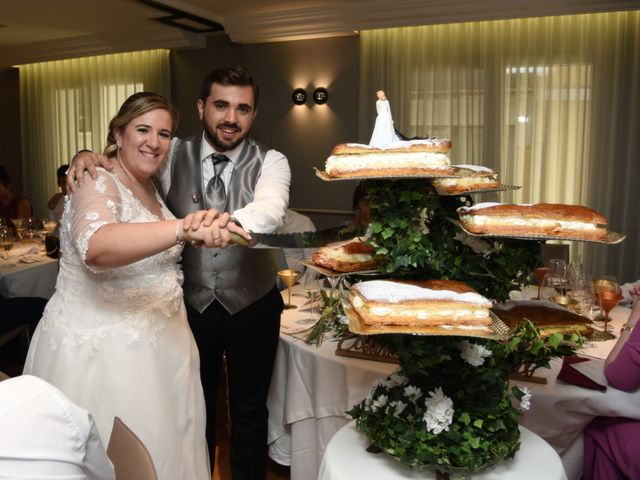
<point x="215" y="193"/>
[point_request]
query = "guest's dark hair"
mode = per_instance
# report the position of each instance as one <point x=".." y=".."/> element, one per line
<point x="61" y="172"/>
<point x="134" y="106"/>
<point x="5" y="179"/>
<point x="360" y="193"/>
<point x="230" y="76"/>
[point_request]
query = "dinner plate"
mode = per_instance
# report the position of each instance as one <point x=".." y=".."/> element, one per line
<point x="612" y="237"/>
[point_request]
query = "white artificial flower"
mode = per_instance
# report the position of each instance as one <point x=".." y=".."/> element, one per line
<point x="395" y="379"/>
<point x="424" y="216"/>
<point x="476" y="244"/>
<point x="412" y="393"/>
<point x="396" y="408"/>
<point x="379" y="402"/>
<point x="343" y="319"/>
<point x="525" y="401"/>
<point x="439" y="414"/>
<point x="472" y="353"/>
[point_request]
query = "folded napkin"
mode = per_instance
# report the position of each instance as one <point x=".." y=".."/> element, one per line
<point x="574" y="377"/>
<point x="20" y="250"/>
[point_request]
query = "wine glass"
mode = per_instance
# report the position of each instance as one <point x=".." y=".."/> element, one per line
<point x="312" y="289"/>
<point x="558" y="270"/>
<point x="609" y="295"/>
<point x="18" y="223"/>
<point x="6" y="242"/>
<point x="540" y="273"/>
<point x="289" y="277"/>
<point x="30" y="226"/>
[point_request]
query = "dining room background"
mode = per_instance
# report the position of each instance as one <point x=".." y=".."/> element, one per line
<point x="551" y="103"/>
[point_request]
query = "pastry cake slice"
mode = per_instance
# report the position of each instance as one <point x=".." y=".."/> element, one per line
<point x="476" y="178"/>
<point x="415" y="157"/>
<point x="441" y="303"/>
<point x="353" y="256"/>
<point x="570" y="221"/>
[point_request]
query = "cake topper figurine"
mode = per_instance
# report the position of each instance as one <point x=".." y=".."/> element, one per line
<point x="383" y="132"/>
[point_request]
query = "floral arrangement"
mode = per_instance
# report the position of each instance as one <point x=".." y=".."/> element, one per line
<point x="449" y="407"/>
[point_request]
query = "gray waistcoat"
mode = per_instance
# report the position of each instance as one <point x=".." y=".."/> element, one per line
<point x="235" y="276"/>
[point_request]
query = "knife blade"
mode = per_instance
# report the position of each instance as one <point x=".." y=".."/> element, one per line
<point x="318" y="238"/>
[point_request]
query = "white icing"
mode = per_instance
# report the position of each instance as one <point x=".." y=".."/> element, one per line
<point x="388" y="160"/>
<point x="393" y="292"/>
<point x="423" y="314"/>
<point x="400" y="144"/>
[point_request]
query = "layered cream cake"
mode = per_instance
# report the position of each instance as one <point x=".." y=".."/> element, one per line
<point x="439" y="304"/>
<point x="570" y="221"/>
<point x="476" y="178"/>
<point x="415" y="157"/>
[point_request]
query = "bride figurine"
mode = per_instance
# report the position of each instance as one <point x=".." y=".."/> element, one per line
<point x="383" y="131"/>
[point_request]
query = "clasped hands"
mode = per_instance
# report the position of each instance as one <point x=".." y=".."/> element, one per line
<point x="210" y="228"/>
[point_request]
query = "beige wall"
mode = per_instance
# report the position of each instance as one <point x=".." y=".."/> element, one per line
<point x="10" y="155"/>
<point x="305" y="134"/>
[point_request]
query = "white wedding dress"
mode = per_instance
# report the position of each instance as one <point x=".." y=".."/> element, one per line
<point x="384" y="132"/>
<point x="117" y="341"/>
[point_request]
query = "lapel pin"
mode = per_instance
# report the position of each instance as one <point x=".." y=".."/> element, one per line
<point x="194" y="197"/>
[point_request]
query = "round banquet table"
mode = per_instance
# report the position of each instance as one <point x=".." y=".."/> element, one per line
<point x="346" y="458"/>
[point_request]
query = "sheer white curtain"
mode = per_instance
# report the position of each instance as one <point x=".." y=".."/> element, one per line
<point x="550" y="103"/>
<point x="66" y="105"/>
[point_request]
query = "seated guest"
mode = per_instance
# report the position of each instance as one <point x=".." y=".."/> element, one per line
<point x="44" y="435"/>
<point x="611" y="446"/>
<point x="11" y="204"/>
<point x="289" y="257"/>
<point x="55" y="205"/>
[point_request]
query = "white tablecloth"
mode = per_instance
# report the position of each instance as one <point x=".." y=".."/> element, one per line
<point x="346" y="458"/>
<point x="311" y="390"/>
<point x="27" y="274"/>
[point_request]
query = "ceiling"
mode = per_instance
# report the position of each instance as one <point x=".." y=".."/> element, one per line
<point x="40" y="30"/>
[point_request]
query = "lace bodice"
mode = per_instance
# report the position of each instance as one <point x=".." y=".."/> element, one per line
<point x="134" y="300"/>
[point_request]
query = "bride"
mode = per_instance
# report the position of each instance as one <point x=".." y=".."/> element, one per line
<point x="114" y="337"/>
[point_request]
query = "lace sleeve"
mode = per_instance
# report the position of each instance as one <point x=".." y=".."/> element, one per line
<point x="98" y="202"/>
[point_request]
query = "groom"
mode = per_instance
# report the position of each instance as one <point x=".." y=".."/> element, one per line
<point x="233" y="305"/>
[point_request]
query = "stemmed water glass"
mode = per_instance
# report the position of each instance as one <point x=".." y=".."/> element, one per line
<point x="6" y="242"/>
<point x="30" y="226"/>
<point x="312" y="290"/>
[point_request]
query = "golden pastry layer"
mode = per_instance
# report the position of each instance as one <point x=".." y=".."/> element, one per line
<point x="570" y="221"/>
<point x="444" y="305"/>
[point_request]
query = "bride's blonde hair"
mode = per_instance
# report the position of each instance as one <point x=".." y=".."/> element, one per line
<point x="134" y="106"/>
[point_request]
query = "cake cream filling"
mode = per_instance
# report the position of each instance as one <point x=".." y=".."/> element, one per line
<point x="350" y="257"/>
<point x="426" y="314"/>
<point x="526" y="222"/>
<point x="453" y="182"/>
<point x="386" y="160"/>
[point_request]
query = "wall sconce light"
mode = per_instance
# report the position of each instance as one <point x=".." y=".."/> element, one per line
<point x="320" y="95"/>
<point x="299" y="96"/>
